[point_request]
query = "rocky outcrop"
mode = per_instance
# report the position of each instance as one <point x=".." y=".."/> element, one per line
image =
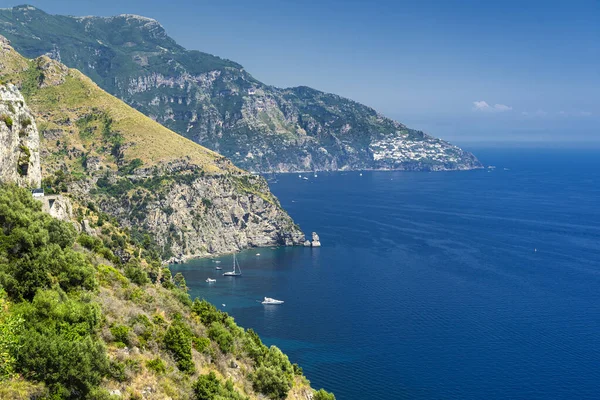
<point x="206" y="215"/>
<point x="58" y="206"/>
<point x="315" y="240"/>
<point x="19" y="140"/>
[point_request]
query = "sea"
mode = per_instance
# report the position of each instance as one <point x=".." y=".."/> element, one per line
<point x="478" y="284"/>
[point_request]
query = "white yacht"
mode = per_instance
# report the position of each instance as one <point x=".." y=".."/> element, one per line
<point x="219" y="268"/>
<point x="269" y="300"/>
<point x="210" y="280"/>
<point x="237" y="271"/>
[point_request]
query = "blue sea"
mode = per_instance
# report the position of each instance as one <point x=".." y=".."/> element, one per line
<point x="451" y="285"/>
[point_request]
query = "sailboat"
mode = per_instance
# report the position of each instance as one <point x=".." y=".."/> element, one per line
<point x="235" y="272"/>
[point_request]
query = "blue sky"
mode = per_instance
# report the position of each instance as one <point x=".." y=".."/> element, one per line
<point x="468" y="71"/>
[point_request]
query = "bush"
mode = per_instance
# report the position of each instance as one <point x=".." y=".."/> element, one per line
<point x="136" y="274"/>
<point x="121" y="334"/>
<point x="157" y="365"/>
<point x="10" y="328"/>
<point x="7" y="120"/>
<point x="36" y="250"/>
<point x="323" y="395"/>
<point x="178" y="341"/>
<point x="26" y="122"/>
<point x="71" y="365"/>
<point x="207" y="312"/>
<point x="221" y="336"/>
<point x="201" y="344"/>
<point x="271" y="382"/>
<point x="208" y="387"/>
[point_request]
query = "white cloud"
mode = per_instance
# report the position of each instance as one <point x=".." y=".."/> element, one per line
<point x="484" y="106"/>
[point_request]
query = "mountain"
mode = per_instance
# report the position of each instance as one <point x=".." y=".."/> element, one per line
<point x="219" y="105"/>
<point x="175" y="197"/>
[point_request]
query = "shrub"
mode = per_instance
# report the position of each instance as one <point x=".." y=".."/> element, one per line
<point x="200" y="344"/>
<point x="121" y="334"/>
<point x="178" y="342"/>
<point x="26" y="122"/>
<point x="271" y="382"/>
<point x="70" y="365"/>
<point x="136" y="275"/>
<point x="157" y="365"/>
<point x="323" y="395"/>
<point x="221" y="336"/>
<point x="208" y="387"/>
<point x="179" y="281"/>
<point x="10" y="327"/>
<point x="7" y="120"/>
<point x="207" y="312"/>
<point x="37" y="250"/>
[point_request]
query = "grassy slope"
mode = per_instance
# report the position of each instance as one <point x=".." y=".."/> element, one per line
<point x="70" y="96"/>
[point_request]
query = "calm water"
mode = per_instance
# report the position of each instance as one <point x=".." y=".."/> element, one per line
<point x="429" y="286"/>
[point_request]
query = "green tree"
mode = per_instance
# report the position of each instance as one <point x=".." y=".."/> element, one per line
<point x="323" y="395"/>
<point x="221" y="336"/>
<point x="178" y="341"/>
<point x="271" y="382"/>
<point x="10" y="328"/>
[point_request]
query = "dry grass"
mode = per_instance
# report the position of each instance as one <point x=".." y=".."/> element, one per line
<point x="73" y="96"/>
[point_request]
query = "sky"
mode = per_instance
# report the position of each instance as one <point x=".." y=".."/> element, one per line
<point x="467" y="71"/>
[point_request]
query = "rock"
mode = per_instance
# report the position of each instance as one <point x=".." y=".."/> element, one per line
<point x="58" y="206"/>
<point x="19" y="140"/>
<point x="87" y="228"/>
<point x="115" y="392"/>
<point x="210" y="215"/>
<point x="233" y="364"/>
<point x="315" y="240"/>
<point x="307" y="243"/>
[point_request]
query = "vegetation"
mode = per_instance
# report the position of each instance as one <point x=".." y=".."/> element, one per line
<point x="7" y="120"/>
<point x="56" y="302"/>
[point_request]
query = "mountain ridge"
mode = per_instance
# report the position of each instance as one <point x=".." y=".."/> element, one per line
<point x="217" y="103"/>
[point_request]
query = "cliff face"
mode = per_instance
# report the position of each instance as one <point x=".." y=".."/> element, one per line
<point x="19" y="140"/>
<point x="203" y="214"/>
<point x="218" y="104"/>
<point x="190" y="201"/>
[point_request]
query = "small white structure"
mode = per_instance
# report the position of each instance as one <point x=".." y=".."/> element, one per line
<point x="38" y="193"/>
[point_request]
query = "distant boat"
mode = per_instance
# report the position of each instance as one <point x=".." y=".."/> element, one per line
<point x="360" y="174"/>
<point x="235" y="272"/>
<point x="269" y="300"/>
<point x="299" y="176"/>
<point x="305" y="178"/>
<point x="219" y="268"/>
<point x="223" y="305"/>
<point x="315" y="175"/>
<point x="217" y="261"/>
<point x="257" y="254"/>
<point x="210" y="280"/>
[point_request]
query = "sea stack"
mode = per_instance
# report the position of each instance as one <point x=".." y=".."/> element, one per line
<point x="307" y="243"/>
<point x="315" y="240"/>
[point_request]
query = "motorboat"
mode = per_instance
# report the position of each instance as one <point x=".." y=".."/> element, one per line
<point x="218" y="268"/>
<point x="209" y="280"/>
<point x="269" y="300"/>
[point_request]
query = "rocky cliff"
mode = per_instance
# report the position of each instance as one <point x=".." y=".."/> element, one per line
<point x="175" y="196"/>
<point x="216" y="103"/>
<point x="19" y="140"/>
